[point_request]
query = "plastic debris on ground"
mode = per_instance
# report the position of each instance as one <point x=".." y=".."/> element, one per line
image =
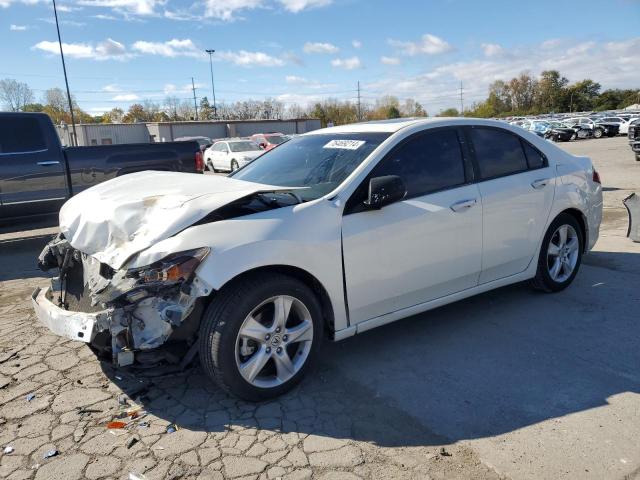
<point x="137" y="476"/>
<point x="116" y="425"/>
<point x="172" y="428"/>
<point x="30" y="397"/>
<point x="50" y="453"/>
<point x="8" y="449"/>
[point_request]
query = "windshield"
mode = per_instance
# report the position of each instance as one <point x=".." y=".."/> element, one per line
<point x="244" y="147"/>
<point x="275" y="139"/>
<point x="320" y="162"/>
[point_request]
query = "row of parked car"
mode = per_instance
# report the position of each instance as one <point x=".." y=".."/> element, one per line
<point x="229" y="154"/>
<point x="566" y="129"/>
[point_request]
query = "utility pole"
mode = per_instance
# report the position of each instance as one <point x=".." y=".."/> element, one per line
<point x="461" y="101"/>
<point x="195" y="103"/>
<point x="66" y="82"/>
<point x="213" y="89"/>
<point x="359" y="106"/>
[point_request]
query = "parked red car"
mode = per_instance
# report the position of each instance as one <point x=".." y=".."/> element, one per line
<point x="269" y="140"/>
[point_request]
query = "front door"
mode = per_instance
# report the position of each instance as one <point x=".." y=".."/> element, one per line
<point x="421" y="248"/>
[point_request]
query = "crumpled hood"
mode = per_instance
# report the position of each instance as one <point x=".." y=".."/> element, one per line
<point x="116" y="219"/>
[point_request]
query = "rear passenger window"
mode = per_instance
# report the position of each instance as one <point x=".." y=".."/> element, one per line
<point x="20" y="134"/>
<point x="428" y="163"/>
<point x="498" y="152"/>
<point x="535" y="158"/>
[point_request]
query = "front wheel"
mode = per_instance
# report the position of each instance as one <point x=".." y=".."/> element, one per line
<point x="574" y="135"/>
<point x="560" y="255"/>
<point x="598" y="133"/>
<point x="637" y="157"/>
<point x="260" y="335"/>
<point x="234" y="165"/>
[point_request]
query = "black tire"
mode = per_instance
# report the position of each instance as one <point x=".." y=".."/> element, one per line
<point x="637" y="157"/>
<point x="211" y="167"/>
<point x="574" y="135"/>
<point x="224" y="317"/>
<point x="543" y="281"/>
<point x="234" y="165"/>
<point x="597" y="133"/>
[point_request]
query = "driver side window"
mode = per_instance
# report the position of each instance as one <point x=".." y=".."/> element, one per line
<point x="430" y="162"/>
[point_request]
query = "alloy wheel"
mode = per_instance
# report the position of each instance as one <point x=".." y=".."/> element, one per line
<point x="563" y="253"/>
<point x="274" y="341"/>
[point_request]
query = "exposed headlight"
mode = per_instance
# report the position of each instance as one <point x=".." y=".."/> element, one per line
<point x="177" y="267"/>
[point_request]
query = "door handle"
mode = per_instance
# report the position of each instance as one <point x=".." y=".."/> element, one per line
<point x="49" y="162"/>
<point x="463" y="205"/>
<point x="540" y="183"/>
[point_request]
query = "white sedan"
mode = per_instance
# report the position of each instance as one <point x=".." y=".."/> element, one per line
<point x="229" y="155"/>
<point x="329" y="235"/>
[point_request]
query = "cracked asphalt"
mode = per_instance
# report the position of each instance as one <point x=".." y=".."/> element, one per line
<point x="509" y="384"/>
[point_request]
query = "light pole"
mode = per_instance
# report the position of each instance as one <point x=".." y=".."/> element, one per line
<point x="64" y="69"/>
<point x="213" y="88"/>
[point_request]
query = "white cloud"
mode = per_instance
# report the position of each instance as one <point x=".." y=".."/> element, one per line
<point x="226" y="9"/>
<point x="243" y="58"/>
<point x="172" y="89"/>
<point x="347" y="63"/>
<point x="296" y="6"/>
<point x="390" y="60"/>
<point x="111" y="88"/>
<point x="126" y="97"/>
<point x="428" y="45"/>
<point x="18" y="28"/>
<point x="171" y="48"/>
<point x="612" y="64"/>
<point x="305" y="82"/>
<point x="293" y="79"/>
<point x="319" y="47"/>
<point x="108" y="49"/>
<point x="356" y="44"/>
<point x="491" y="49"/>
<point x="137" y="7"/>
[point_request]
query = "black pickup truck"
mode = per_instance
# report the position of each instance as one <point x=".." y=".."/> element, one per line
<point x="37" y="175"/>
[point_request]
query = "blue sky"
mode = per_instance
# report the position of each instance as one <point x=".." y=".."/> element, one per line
<point x="123" y="51"/>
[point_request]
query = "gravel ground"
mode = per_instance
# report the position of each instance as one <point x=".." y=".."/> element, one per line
<point x="356" y="417"/>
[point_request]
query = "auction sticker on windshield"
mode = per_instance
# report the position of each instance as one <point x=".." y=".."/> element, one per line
<point x="345" y="144"/>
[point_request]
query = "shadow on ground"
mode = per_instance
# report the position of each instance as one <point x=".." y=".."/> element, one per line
<point x="482" y="367"/>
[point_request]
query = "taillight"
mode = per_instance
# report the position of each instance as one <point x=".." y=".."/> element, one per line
<point x="199" y="162"/>
<point x="596" y="176"/>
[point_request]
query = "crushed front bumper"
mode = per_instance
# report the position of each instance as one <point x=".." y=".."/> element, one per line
<point x="73" y="325"/>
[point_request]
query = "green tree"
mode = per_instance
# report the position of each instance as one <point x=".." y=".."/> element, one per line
<point x="449" y="112"/>
<point x="550" y="92"/>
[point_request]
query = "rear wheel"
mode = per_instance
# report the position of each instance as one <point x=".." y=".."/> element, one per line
<point x="260" y="335"/>
<point x="560" y="255"/>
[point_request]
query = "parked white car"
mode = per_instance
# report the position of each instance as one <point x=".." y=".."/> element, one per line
<point x="229" y="155"/>
<point x="333" y="233"/>
<point x="624" y="124"/>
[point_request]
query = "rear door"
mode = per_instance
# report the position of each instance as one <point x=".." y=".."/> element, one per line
<point x="426" y="246"/>
<point x="32" y="171"/>
<point x="517" y="188"/>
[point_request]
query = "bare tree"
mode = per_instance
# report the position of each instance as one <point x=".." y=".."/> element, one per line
<point x="15" y="95"/>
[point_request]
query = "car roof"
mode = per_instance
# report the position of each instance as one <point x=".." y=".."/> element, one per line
<point x="397" y="124"/>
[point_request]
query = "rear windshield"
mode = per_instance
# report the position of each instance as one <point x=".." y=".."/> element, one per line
<point x="318" y="162"/>
<point x="275" y="139"/>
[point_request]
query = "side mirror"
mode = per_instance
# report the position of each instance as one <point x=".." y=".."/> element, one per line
<point x="384" y="191"/>
<point x="263" y="146"/>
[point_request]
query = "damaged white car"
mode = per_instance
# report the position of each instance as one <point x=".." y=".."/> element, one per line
<point x="333" y="233"/>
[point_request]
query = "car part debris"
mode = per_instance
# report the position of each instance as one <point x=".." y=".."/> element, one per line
<point x="144" y="425"/>
<point x="444" y="452"/>
<point x="51" y="453"/>
<point x="116" y="425"/>
<point x="30" y="397"/>
<point x="632" y="204"/>
<point x="8" y="449"/>
<point x="137" y="476"/>
<point x="131" y="442"/>
<point x="172" y="428"/>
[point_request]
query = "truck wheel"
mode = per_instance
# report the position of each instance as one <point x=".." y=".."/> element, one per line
<point x="260" y="335"/>
<point x="234" y="165"/>
<point x="560" y="255"/>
